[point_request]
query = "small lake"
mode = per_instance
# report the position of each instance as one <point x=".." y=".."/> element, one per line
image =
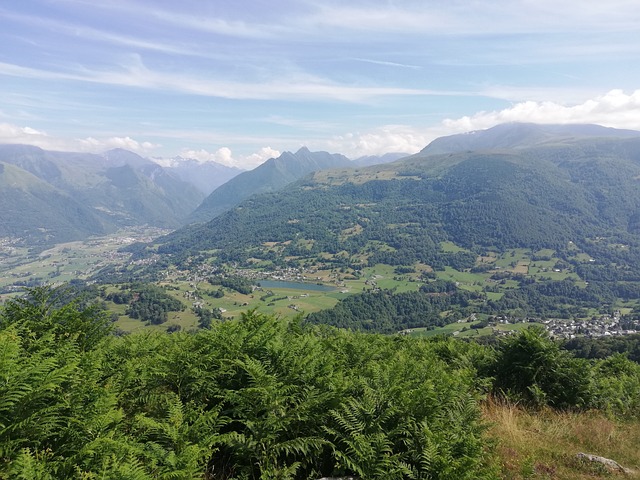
<point x="295" y="285"/>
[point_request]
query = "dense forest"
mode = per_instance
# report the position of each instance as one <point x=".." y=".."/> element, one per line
<point x="146" y="302"/>
<point x="266" y="398"/>
<point x="383" y="311"/>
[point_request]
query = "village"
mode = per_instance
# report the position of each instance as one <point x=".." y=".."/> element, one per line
<point x="602" y="326"/>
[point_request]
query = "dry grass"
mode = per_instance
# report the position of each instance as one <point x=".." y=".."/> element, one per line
<point x="544" y="444"/>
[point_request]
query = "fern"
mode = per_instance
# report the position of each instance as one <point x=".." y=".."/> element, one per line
<point x="30" y="465"/>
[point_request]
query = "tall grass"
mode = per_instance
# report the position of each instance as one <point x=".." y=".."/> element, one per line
<point x="543" y="444"/>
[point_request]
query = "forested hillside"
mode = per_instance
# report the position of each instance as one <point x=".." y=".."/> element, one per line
<point x="544" y="229"/>
<point x="543" y="197"/>
<point x="29" y="204"/>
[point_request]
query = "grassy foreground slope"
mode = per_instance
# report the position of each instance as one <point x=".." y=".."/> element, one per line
<point x="544" y="444"/>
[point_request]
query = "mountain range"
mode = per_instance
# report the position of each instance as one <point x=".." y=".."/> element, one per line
<point x="517" y="185"/>
<point x="514" y="184"/>
<point x="516" y="136"/>
<point x="369" y="160"/>
<point x="271" y="176"/>
<point x="50" y="197"/>
<point x="205" y="176"/>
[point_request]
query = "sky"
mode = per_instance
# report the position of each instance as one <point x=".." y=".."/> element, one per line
<point x="238" y="82"/>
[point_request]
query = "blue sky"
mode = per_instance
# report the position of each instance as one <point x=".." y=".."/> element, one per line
<point x="240" y="81"/>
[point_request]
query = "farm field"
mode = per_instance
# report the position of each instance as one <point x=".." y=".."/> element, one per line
<point x="499" y="273"/>
<point x="465" y="329"/>
<point x="67" y="261"/>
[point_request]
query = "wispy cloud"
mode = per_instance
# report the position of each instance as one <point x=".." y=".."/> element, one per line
<point x="387" y="64"/>
<point x="511" y="93"/>
<point x="177" y="18"/>
<point x="298" y="124"/>
<point x="285" y="87"/>
<point x="79" y="31"/>
<point x="477" y="18"/>
<point x="405" y="17"/>
<point x="218" y="26"/>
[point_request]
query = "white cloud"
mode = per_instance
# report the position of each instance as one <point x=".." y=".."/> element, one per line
<point x="10" y="133"/>
<point x="385" y="139"/>
<point x="614" y="109"/>
<point x="224" y="156"/>
<point x="475" y="17"/>
<point x="14" y="134"/>
<point x="127" y="143"/>
<point x="261" y="156"/>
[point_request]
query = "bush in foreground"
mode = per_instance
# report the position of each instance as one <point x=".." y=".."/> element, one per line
<point x="248" y="399"/>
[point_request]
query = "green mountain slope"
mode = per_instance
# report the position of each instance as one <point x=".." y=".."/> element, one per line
<point x="116" y="189"/>
<point x="51" y="214"/>
<point x="271" y="176"/>
<point x="522" y="135"/>
<point x="578" y="190"/>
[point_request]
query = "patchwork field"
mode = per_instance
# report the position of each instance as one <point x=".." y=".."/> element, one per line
<point x="67" y="261"/>
<point x="495" y="275"/>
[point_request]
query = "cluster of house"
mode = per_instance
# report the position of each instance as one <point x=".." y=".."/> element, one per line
<point x="7" y="245"/>
<point x="602" y="326"/>
<point x="142" y="234"/>
<point x="196" y="301"/>
<point x="288" y="274"/>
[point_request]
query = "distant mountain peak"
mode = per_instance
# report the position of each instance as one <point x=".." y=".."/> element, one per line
<point x="271" y="176"/>
<point x="206" y="176"/>
<point x="517" y="135"/>
<point x="120" y="156"/>
<point x="379" y="159"/>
